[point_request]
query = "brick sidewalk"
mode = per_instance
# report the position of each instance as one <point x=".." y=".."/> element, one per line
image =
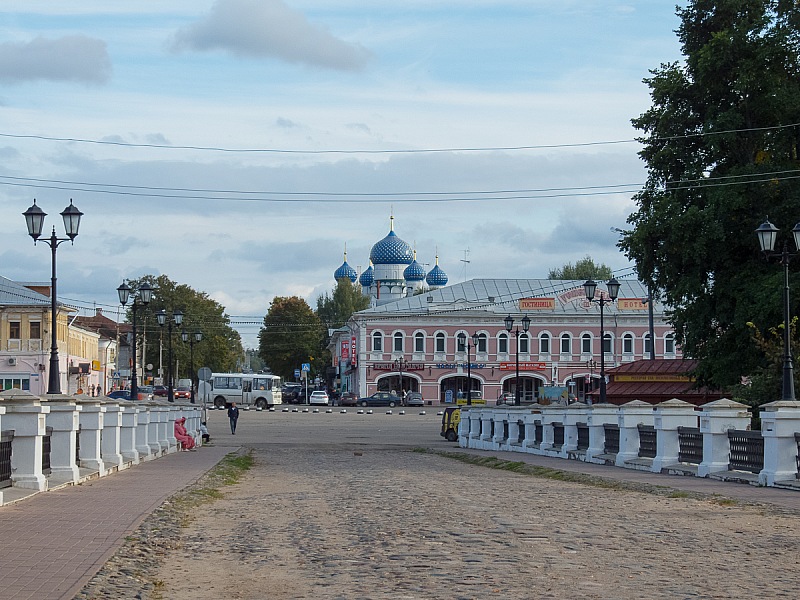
<point x="54" y="542"/>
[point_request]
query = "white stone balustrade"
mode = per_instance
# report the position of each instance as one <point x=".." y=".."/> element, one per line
<point x="716" y="419"/>
<point x="669" y="416"/>
<point x="533" y="416"/>
<point x="600" y="415"/>
<point x="143" y="433"/>
<point x="110" y="438"/>
<point x="551" y="414"/>
<point x="779" y="422"/>
<point x="127" y="434"/>
<point x="26" y="416"/>
<point x="91" y="418"/>
<point x="577" y="412"/>
<point x="64" y="420"/>
<point x="631" y="415"/>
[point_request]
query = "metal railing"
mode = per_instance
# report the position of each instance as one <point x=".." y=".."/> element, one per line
<point x="558" y="435"/>
<point x="78" y="447"/>
<point x="539" y="432"/>
<point x="5" y="458"/>
<point x="690" y="445"/>
<point x="520" y="432"/>
<point x="46" y="445"/>
<point x="583" y="436"/>
<point x="747" y="451"/>
<point x="611" y="441"/>
<point x="505" y="431"/>
<point x="648" y="441"/>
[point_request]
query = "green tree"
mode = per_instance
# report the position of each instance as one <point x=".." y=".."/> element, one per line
<point x="334" y="310"/>
<point x="290" y="337"/>
<point x="221" y="345"/>
<point x="720" y="143"/>
<point x="583" y="269"/>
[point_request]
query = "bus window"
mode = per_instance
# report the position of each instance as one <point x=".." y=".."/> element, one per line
<point x="246" y="385"/>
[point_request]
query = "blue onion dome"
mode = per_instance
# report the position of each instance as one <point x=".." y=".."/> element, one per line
<point x="414" y="272"/>
<point x="391" y="250"/>
<point x="437" y="277"/>
<point x="345" y="271"/>
<point x="367" y="277"/>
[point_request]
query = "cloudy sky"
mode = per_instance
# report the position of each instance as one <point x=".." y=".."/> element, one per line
<point x="237" y="146"/>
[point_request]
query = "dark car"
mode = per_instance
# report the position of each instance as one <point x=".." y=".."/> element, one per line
<point x="182" y="392"/>
<point x="160" y="390"/>
<point x="348" y="399"/>
<point x="414" y="399"/>
<point x="380" y="399"/>
<point x="120" y="395"/>
<point x="290" y="392"/>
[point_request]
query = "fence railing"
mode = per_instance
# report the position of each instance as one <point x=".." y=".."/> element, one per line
<point x="747" y="451"/>
<point x="46" y="445"/>
<point x="5" y="458"/>
<point x="611" y="443"/>
<point x="583" y="436"/>
<point x="558" y="435"/>
<point x="647" y="441"/>
<point x="690" y="445"/>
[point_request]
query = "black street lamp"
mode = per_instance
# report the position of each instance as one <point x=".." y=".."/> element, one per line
<point x="612" y="285"/>
<point x="526" y="323"/>
<point x="462" y="339"/>
<point x="400" y="363"/>
<point x="196" y="337"/>
<point x="767" y="236"/>
<point x="34" y="219"/>
<point x="144" y="294"/>
<point x="177" y="317"/>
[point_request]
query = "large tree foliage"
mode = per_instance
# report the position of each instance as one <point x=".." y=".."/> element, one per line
<point x="720" y="143"/>
<point x="584" y="268"/>
<point x="334" y="310"/>
<point x="290" y="337"/>
<point x="220" y="347"/>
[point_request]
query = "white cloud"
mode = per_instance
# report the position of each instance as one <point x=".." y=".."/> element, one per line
<point x="269" y="29"/>
<point x="76" y="58"/>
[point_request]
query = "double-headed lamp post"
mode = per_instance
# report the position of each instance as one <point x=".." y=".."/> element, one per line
<point x="767" y="236"/>
<point x="177" y="317"/>
<point x="400" y="363"/>
<point x="191" y="338"/>
<point x="144" y="294"/>
<point x="590" y="286"/>
<point x="526" y="323"/>
<point x="462" y="339"/>
<point x="34" y="219"/>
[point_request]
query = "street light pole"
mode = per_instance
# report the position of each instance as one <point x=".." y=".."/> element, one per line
<point x="191" y="339"/>
<point x="526" y="323"/>
<point x="767" y="235"/>
<point x="612" y="285"/>
<point x="400" y="362"/>
<point x="144" y="294"/>
<point x="464" y="341"/>
<point x="34" y="220"/>
<point x="177" y="317"/>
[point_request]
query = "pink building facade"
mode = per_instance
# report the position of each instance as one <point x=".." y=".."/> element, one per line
<point x="414" y="343"/>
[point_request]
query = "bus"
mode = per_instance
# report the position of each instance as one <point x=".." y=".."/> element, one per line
<point x="246" y="389"/>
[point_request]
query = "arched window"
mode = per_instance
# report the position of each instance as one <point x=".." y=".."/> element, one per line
<point x="502" y="343"/>
<point x="398" y="341"/>
<point x="669" y="343"/>
<point x="461" y="342"/>
<point x="544" y="343"/>
<point x="586" y="343"/>
<point x="648" y="343"/>
<point x="607" y="339"/>
<point x="481" y="346"/>
<point x="566" y="343"/>
<point x="627" y="343"/>
<point x="440" y="342"/>
<point x="419" y="342"/>
<point x="377" y="341"/>
<point x="524" y="343"/>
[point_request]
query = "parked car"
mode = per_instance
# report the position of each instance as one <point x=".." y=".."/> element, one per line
<point x="120" y="395"/>
<point x="506" y="398"/>
<point x="380" y="399"/>
<point x="414" y="399"/>
<point x="182" y="392"/>
<point x="160" y="390"/>
<point x="319" y="397"/>
<point x="290" y="392"/>
<point x="348" y="399"/>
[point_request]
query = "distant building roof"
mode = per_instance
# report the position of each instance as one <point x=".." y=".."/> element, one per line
<point x="101" y="324"/>
<point x="656" y="381"/>
<point x="16" y="294"/>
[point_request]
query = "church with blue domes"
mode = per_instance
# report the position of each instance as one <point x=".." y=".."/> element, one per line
<point x="393" y="271"/>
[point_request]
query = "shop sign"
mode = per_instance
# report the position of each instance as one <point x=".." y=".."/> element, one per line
<point x="345" y="350"/>
<point x="537" y="304"/>
<point x="631" y="304"/>
<point x="462" y="365"/>
<point x="527" y="366"/>
<point x="353" y="350"/>
<point x="390" y="366"/>
<point x="658" y="378"/>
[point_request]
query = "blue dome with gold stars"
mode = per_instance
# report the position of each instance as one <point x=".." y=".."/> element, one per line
<point x="391" y="250"/>
<point x="414" y="272"/>
<point x="345" y="271"/>
<point x="367" y="277"/>
<point x="437" y="277"/>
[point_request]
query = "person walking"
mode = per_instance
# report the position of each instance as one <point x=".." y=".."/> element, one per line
<point x="233" y="415"/>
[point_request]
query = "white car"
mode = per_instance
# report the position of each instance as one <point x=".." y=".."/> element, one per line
<point x="318" y="397"/>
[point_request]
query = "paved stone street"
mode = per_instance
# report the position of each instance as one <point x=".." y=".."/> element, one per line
<point x="341" y="506"/>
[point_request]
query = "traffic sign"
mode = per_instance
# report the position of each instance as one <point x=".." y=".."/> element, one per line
<point x="296" y="373"/>
<point x="306" y="366"/>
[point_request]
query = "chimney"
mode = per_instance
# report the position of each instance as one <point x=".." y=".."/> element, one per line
<point x="98" y="312"/>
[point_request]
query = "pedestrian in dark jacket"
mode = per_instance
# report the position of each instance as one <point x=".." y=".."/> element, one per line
<point x="233" y="415"/>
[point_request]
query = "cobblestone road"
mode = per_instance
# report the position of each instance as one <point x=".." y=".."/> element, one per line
<point x="337" y="509"/>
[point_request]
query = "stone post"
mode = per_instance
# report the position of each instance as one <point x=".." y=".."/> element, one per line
<point x="143" y="448"/>
<point x="669" y="416"/>
<point x="552" y="413"/>
<point x="127" y="433"/>
<point x="779" y="422"/>
<point x="163" y="410"/>
<point x="152" y="429"/>
<point x="484" y="442"/>
<point x="599" y="415"/>
<point x="499" y="437"/>
<point x="530" y="420"/>
<point x="64" y="419"/>
<point x="109" y="441"/>
<point x="91" y="418"/>
<point x="577" y="412"/>
<point x="716" y="419"/>
<point x="172" y="416"/>
<point x="26" y="416"/>
<point x="474" y="427"/>
<point x="631" y="415"/>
